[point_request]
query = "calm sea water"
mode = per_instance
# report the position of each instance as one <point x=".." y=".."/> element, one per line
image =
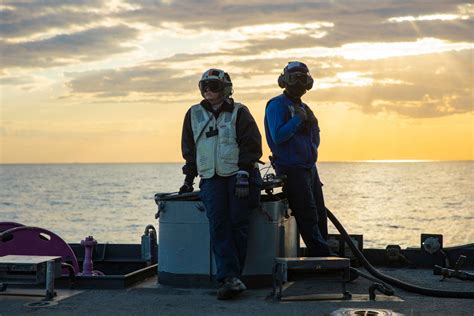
<point x="390" y="203"/>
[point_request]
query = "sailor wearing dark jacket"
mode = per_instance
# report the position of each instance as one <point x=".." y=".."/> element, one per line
<point x="222" y="144"/>
<point x="292" y="133"/>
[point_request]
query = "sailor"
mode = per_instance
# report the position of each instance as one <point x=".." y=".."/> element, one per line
<point x="222" y="144"/>
<point x="292" y="133"/>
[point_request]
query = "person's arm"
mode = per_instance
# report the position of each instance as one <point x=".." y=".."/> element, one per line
<point x="280" y="130"/>
<point x="248" y="139"/>
<point x="188" y="149"/>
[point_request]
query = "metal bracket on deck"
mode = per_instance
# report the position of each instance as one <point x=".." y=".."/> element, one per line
<point x="16" y="269"/>
<point x="287" y="271"/>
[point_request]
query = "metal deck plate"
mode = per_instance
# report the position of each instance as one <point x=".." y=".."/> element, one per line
<point x="26" y="260"/>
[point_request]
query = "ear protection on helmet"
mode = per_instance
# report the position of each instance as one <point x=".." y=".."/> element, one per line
<point x="281" y="82"/>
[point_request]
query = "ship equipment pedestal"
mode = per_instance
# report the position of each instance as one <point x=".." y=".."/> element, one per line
<point x="286" y="271"/>
<point x="18" y="269"/>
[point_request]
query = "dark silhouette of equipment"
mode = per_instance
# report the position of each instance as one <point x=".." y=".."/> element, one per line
<point x="454" y="273"/>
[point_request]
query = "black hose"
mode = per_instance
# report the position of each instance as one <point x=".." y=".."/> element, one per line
<point x="379" y="287"/>
<point x="390" y="280"/>
<point x="387" y="289"/>
<point x="148" y="228"/>
<point x="72" y="274"/>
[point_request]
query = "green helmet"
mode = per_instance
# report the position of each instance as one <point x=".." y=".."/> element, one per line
<point x="217" y="81"/>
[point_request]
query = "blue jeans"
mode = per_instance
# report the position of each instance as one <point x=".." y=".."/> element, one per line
<point x="305" y="197"/>
<point x="229" y="221"/>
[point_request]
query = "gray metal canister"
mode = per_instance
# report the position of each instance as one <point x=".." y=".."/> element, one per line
<point x="184" y="251"/>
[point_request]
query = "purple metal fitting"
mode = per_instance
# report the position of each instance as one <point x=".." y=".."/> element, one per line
<point x="88" y="266"/>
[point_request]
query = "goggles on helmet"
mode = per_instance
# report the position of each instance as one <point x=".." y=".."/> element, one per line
<point x="212" y="84"/>
<point x="296" y="73"/>
<point x="301" y="78"/>
<point x="216" y="80"/>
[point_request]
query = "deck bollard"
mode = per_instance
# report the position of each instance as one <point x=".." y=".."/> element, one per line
<point x="50" y="280"/>
<point x="88" y="266"/>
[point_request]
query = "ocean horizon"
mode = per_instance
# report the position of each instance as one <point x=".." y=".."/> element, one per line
<point x="266" y="162"/>
<point x="389" y="202"/>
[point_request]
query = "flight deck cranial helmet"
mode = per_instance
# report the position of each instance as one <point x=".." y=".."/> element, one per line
<point x="296" y="76"/>
<point x="217" y="81"/>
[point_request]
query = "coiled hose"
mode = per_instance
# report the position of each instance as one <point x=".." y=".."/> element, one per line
<point x="391" y="280"/>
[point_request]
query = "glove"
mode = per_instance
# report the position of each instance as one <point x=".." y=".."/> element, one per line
<point x="186" y="188"/>
<point x="299" y="111"/>
<point x="242" y="184"/>
<point x="311" y="122"/>
<point x="312" y="119"/>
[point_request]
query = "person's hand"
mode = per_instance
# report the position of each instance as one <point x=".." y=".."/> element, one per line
<point x="186" y="188"/>
<point x="300" y="112"/>
<point x="242" y="184"/>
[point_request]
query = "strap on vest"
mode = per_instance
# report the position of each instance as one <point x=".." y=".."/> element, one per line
<point x="202" y="131"/>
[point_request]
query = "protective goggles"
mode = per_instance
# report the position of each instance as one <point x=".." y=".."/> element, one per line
<point x="212" y="85"/>
<point x="302" y="78"/>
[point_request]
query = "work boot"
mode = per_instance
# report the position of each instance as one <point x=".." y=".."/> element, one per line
<point x="231" y="288"/>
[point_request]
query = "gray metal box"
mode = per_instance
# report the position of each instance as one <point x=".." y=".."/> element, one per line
<point x="184" y="252"/>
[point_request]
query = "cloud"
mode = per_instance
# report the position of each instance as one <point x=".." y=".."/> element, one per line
<point x="85" y="46"/>
<point x="365" y="21"/>
<point x="145" y="79"/>
<point x="258" y="46"/>
<point x="416" y="86"/>
<point x="27" y="18"/>
<point x="218" y="14"/>
<point x="371" y="31"/>
<point x="15" y="80"/>
<point x="427" y="107"/>
<point x="430" y="85"/>
<point x="351" y="48"/>
<point x="39" y="31"/>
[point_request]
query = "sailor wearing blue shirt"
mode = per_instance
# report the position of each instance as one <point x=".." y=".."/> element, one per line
<point x="292" y="134"/>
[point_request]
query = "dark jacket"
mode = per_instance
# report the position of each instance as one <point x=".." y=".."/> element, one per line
<point x="248" y="139"/>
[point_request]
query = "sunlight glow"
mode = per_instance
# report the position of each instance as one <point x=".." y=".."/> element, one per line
<point x="346" y="79"/>
<point x="366" y="51"/>
<point x="281" y="30"/>
<point x="355" y="78"/>
<point x="120" y="5"/>
<point x="371" y="51"/>
<point x="433" y="17"/>
<point x="262" y="29"/>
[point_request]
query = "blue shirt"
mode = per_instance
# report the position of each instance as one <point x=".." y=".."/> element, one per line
<point x="290" y="143"/>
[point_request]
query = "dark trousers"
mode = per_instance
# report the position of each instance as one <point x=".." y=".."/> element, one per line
<point x="305" y="197"/>
<point x="229" y="221"/>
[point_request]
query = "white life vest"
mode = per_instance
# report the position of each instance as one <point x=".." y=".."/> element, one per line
<point x="217" y="151"/>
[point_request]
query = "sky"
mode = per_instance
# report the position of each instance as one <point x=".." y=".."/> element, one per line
<point x="85" y="81"/>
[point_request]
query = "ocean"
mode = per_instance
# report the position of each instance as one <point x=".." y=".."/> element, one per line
<point x="387" y="202"/>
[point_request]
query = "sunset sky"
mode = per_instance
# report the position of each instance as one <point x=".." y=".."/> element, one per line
<point x="110" y="81"/>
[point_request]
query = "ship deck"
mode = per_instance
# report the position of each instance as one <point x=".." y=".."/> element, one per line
<point x="151" y="298"/>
